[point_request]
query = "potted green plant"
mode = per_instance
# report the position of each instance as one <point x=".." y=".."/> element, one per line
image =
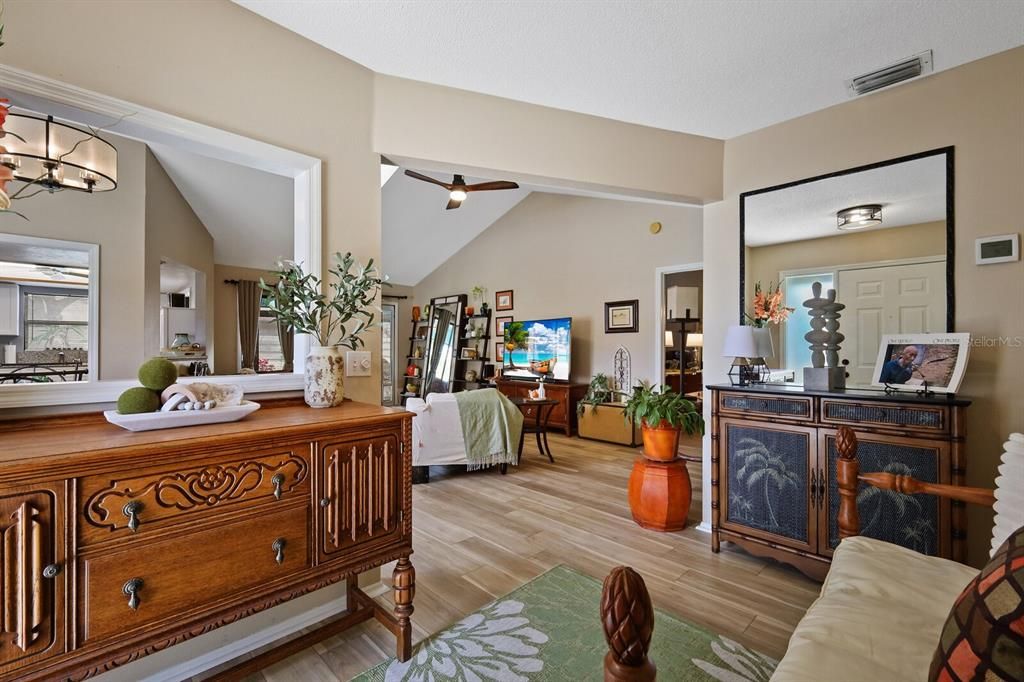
<point x="662" y="415"/>
<point x="478" y="292"/>
<point x="335" y="319"/>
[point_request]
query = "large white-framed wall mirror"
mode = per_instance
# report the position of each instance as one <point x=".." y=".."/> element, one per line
<point x="164" y="264"/>
<point x="881" y="235"/>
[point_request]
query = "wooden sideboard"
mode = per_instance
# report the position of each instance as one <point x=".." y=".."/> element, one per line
<point x="114" y="545"/>
<point x="563" y="415"/>
<point x="773" y="470"/>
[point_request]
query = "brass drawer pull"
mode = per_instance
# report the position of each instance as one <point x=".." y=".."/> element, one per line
<point x="131" y="510"/>
<point x="278" y="548"/>
<point x="278" y="481"/>
<point x="51" y="571"/>
<point x="131" y="590"/>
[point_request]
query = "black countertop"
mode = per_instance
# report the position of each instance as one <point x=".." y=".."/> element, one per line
<point x="878" y="395"/>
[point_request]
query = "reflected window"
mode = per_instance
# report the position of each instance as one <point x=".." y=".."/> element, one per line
<point x="56" y="321"/>
<point x="269" y="355"/>
<point x="797" y="289"/>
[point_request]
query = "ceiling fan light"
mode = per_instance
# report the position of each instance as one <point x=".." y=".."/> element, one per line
<point x="458" y="195"/>
<point x="859" y="217"/>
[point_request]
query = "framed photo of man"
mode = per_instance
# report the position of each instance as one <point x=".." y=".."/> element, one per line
<point x="913" y="362"/>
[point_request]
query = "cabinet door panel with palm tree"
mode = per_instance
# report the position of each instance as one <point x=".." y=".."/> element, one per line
<point x="768" y="482"/>
<point x="917" y="522"/>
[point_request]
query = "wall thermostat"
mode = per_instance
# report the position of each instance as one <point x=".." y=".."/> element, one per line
<point x="1004" y="248"/>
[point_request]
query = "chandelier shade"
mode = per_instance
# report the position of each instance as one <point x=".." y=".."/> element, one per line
<point x="57" y="155"/>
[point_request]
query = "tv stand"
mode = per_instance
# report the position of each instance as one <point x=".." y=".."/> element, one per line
<point x="563" y="415"/>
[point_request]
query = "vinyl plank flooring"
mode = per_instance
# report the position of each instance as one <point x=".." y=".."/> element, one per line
<point x="480" y="535"/>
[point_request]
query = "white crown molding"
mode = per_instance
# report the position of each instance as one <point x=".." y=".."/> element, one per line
<point x="199" y="138"/>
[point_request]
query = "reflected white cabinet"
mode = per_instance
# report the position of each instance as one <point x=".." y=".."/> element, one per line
<point x="9" y="306"/>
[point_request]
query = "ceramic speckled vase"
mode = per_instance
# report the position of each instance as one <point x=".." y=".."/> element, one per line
<point x="325" y="376"/>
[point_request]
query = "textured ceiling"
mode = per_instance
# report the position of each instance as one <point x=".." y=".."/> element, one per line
<point x="910" y="193"/>
<point x="712" y="68"/>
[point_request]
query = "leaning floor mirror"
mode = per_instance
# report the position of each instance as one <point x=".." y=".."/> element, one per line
<point x="880" y="235"/>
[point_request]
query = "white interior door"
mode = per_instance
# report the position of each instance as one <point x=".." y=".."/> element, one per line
<point x="893" y="299"/>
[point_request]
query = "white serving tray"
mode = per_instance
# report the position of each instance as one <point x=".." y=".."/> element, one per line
<point x="150" y="421"/>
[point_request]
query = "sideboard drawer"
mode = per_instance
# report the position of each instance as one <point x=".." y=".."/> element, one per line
<point x="929" y="418"/>
<point x="180" y="575"/>
<point x="154" y="498"/>
<point x="785" y="407"/>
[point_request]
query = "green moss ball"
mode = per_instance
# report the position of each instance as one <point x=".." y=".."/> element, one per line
<point x="137" y="400"/>
<point x="157" y="374"/>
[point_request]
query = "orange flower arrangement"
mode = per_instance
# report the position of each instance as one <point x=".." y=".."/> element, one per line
<point x="768" y="306"/>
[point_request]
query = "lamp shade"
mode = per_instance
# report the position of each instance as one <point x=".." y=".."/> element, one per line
<point x="740" y="342"/>
<point x="669" y="341"/>
<point x="695" y="340"/>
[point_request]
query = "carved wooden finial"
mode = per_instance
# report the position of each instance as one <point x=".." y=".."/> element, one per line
<point x="846" y="443"/>
<point x="627" y="617"/>
<point x="847" y="470"/>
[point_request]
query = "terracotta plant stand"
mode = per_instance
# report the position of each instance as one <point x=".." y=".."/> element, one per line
<point x="660" y="494"/>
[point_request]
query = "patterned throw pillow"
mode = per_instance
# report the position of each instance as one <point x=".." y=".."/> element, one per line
<point x="983" y="638"/>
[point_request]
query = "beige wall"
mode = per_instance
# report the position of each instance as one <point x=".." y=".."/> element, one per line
<point x="566" y="256"/>
<point x="474" y="131"/>
<point x="175" y="234"/>
<point x="116" y="221"/>
<point x="978" y="108"/>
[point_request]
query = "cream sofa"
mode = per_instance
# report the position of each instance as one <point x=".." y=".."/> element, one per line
<point x="882" y="607"/>
<point x="878" y="618"/>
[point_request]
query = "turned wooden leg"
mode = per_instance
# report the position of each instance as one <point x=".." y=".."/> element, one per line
<point x="404" y="580"/>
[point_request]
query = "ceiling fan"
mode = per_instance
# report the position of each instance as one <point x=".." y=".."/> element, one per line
<point x="458" y="190"/>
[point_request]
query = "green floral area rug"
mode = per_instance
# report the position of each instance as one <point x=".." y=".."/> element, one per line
<point x="550" y="629"/>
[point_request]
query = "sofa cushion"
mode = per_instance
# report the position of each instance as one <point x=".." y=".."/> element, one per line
<point x="878" y="617"/>
<point x="983" y="638"/>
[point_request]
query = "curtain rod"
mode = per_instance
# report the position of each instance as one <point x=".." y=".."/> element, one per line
<point x="231" y="281"/>
<point x="401" y="298"/>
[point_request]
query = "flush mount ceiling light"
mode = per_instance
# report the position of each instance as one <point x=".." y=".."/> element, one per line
<point x="57" y="156"/>
<point x="859" y="217"/>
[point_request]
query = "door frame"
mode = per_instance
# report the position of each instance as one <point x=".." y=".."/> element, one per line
<point x="659" y="312"/>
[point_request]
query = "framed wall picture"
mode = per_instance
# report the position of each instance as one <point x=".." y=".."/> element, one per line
<point x="499" y="351"/>
<point x="908" y="361"/>
<point x="621" y="317"/>
<point x="503" y="300"/>
<point x="499" y="326"/>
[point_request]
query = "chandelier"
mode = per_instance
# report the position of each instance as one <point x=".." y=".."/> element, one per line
<point x="54" y="155"/>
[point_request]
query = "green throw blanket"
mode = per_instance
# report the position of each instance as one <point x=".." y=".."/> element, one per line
<point x="491" y="427"/>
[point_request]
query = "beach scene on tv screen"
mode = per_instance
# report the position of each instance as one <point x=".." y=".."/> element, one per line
<point x="546" y="353"/>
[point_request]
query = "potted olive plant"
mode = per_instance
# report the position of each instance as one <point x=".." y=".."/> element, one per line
<point x="335" y="320"/>
<point x="662" y="415"/>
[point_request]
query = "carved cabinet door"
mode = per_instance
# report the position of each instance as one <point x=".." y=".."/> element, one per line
<point x="360" y="494"/>
<point x="31" y="573"/>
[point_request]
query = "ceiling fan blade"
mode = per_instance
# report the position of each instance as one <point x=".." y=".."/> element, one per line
<point x="453" y="203"/>
<point x="497" y="184"/>
<point x="427" y="178"/>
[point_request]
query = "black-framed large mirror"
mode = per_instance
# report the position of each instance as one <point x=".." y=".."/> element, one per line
<point x="446" y="317"/>
<point x="881" y="235"/>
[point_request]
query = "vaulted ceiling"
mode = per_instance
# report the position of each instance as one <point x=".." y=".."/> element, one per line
<point x="698" y="66"/>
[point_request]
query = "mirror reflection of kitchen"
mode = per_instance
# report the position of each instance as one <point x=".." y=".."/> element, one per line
<point x="886" y="260"/>
<point x="44" y="310"/>
<point x="178" y="245"/>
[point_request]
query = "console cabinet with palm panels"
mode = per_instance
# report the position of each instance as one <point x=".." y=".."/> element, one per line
<point x="773" y="470"/>
<point x="114" y="545"/>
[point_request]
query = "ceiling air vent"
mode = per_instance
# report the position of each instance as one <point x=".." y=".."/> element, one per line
<point x="903" y="70"/>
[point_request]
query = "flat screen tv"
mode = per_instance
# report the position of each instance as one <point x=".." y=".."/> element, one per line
<point x="538" y="348"/>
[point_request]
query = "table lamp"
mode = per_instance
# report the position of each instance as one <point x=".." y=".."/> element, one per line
<point x="696" y="340"/>
<point x="741" y="345"/>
